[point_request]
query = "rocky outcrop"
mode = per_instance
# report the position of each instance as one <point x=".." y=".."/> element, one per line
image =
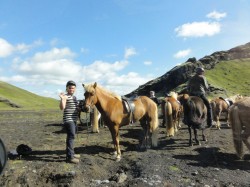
<point x="176" y="78"/>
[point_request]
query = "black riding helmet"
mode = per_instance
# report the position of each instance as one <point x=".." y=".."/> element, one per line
<point x="70" y="83"/>
<point x="200" y="70"/>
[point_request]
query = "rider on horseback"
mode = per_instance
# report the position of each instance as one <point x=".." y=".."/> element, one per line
<point x="197" y="86"/>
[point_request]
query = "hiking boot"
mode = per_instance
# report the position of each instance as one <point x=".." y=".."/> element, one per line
<point x="73" y="160"/>
<point x="77" y="156"/>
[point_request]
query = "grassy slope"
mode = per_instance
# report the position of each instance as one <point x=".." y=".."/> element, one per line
<point x="233" y="76"/>
<point x="27" y="100"/>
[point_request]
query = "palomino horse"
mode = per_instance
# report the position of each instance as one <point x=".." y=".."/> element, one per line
<point x="115" y="114"/>
<point x="196" y="115"/>
<point x="220" y="105"/>
<point x="240" y="122"/>
<point x="171" y="110"/>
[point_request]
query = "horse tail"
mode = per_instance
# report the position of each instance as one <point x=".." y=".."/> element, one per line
<point x="154" y="127"/>
<point x="169" y="119"/>
<point x="163" y="112"/>
<point x="236" y="129"/>
<point x="95" y="125"/>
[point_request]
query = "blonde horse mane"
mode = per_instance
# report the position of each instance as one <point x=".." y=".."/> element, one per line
<point x="174" y="95"/>
<point x="91" y="89"/>
<point x="236" y="97"/>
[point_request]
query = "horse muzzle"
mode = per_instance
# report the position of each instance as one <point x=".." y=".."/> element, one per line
<point x="86" y="108"/>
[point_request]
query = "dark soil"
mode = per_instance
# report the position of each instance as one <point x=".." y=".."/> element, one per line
<point x="173" y="163"/>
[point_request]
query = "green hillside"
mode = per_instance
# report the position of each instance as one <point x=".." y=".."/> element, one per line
<point x="232" y="76"/>
<point x="12" y="97"/>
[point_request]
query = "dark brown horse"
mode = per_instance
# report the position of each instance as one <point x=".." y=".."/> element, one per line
<point x="240" y="122"/>
<point x="115" y="115"/>
<point x="171" y="110"/>
<point x="196" y="115"/>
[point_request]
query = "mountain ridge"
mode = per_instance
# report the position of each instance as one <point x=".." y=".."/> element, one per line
<point x="177" y="77"/>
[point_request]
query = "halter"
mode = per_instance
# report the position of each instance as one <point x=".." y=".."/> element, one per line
<point x="89" y="106"/>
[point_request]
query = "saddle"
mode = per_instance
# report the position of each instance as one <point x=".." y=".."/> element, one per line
<point x="128" y="104"/>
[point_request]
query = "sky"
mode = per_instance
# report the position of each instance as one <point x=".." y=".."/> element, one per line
<point x="120" y="44"/>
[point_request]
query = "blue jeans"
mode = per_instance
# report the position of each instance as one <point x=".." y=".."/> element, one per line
<point x="71" y="132"/>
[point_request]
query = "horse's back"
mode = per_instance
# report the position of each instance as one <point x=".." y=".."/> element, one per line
<point x="145" y="105"/>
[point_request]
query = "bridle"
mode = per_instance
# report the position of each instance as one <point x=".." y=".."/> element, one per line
<point x="91" y="105"/>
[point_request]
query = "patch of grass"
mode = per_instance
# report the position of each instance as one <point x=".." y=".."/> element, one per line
<point x="24" y="99"/>
<point x="233" y="76"/>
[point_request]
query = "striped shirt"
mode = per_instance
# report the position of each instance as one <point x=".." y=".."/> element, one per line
<point x="70" y="112"/>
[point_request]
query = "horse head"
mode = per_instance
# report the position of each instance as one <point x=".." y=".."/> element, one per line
<point x="90" y="96"/>
<point x="183" y="98"/>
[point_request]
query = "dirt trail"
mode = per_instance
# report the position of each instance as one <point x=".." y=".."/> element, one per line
<point x="173" y="163"/>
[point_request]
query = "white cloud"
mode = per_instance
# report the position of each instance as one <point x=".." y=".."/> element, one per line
<point x="182" y="53"/>
<point x="129" y="52"/>
<point x="216" y="15"/>
<point x="53" y="54"/>
<point x="198" y="29"/>
<point x="6" y="49"/>
<point x="147" y="63"/>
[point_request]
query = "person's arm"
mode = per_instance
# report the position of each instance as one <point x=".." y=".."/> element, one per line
<point x="62" y="104"/>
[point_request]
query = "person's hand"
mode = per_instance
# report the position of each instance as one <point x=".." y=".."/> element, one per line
<point x="62" y="95"/>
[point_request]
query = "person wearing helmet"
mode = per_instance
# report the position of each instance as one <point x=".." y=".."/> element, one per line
<point x="198" y="86"/>
<point x="69" y="105"/>
<point x="152" y="96"/>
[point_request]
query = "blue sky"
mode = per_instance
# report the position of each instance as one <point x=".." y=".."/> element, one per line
<point x="120" y="44"/>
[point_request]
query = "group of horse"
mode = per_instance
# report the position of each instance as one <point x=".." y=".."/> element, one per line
<point x="117" y="112"/>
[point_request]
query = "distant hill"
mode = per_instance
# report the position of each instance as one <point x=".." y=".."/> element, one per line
<point x="228" y="73"/>
<point x="12" y="97"/>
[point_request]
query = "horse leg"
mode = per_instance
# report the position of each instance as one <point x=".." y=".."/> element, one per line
<point x="115" y="137"/>
<point x="175" y="122"/>
<point x="203" y="136"/>
<point x="144" y="143"/>
<point x="227" y="119"/>
<point x="218" y="120"/>
<point x="245" y="136"/>
<point x="195" y="137"/>
<point x="178" y="119"/>
<point x="190" y="136"/>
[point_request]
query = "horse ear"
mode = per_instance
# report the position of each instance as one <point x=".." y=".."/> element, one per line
<point x="95" y="85"/>
<point x="83" y="85"/>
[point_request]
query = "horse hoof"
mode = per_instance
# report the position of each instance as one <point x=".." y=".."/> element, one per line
<point x="118" y="159"/>
<point x="114" y="153"/>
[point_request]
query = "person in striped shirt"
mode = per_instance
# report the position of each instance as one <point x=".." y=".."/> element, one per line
<point x="69" y="105"/>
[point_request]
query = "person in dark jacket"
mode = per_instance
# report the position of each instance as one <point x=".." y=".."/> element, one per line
<point x="198" y="86"/>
